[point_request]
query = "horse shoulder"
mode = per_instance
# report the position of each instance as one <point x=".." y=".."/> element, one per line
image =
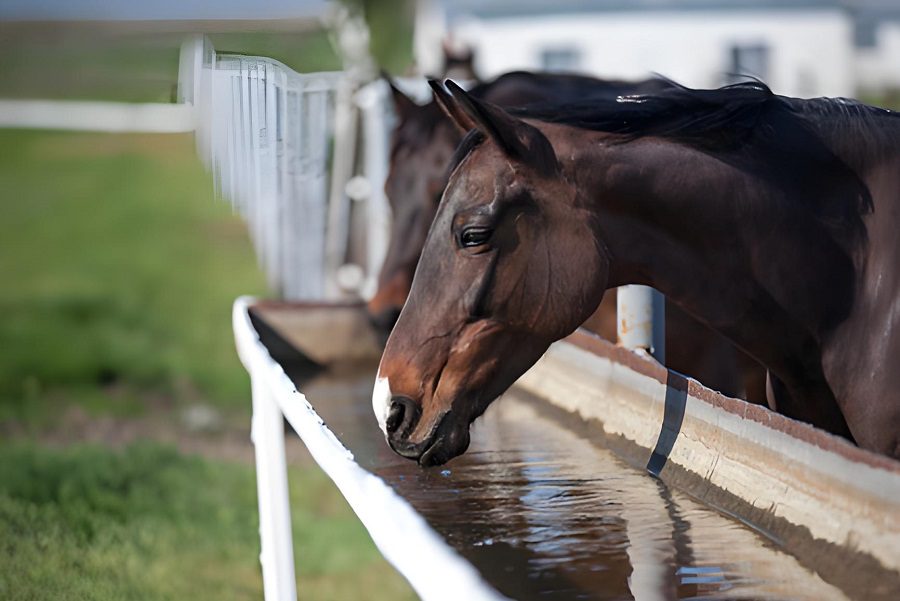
<point x="861" y="358"/>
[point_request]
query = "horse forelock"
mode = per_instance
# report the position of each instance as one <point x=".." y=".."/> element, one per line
<point x="469" y="142"/>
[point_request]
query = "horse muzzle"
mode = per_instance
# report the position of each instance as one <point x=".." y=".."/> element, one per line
<point x="449" y="439"/>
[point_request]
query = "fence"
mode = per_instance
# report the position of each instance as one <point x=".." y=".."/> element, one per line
<point x="266" y="133"/>
<point x="303" y="157"/>
<point x="87" y="115"/>
<point x="430" y="565"/>
<point x="300" y="156"/>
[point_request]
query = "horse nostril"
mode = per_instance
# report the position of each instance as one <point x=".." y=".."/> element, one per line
<point x="395" y="417"/>
<point x="402" y="417"/>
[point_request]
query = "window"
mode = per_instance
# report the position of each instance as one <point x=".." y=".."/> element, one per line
<point x="560" y="59"/>
<point x="749" y="59"/>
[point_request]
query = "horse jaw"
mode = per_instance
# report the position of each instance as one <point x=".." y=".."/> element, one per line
<point x="381" y="401"/>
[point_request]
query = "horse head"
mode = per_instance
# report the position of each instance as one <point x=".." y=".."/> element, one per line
<point x="416" y="178"/>
<point x="503" y="274"/>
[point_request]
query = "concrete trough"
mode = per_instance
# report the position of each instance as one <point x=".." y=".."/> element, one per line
<point x="833" y="506"/>
<point x="829" y="503"/>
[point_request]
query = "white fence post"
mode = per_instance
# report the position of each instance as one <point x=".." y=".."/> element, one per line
<point x="277" y="553"/>
<point x="344" y="157"/>
<point x="641" y="320"/>
<point x="376" y="124"/>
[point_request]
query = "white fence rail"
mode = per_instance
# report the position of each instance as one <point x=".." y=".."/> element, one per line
<point x="86" y="115"/>
<point x="303" y="157"/>
<point x="431" y="566"/>
<point x="282" y="147"/>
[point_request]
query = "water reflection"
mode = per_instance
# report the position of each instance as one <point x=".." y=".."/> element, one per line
<point x="547" y="514"/>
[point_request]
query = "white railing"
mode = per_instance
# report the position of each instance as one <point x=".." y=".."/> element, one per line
<point x="403" y="536"/>
<point x="303" y="158"/>
<point x="267" y="134"/>
<point x="282" y="147"/>
<point x="95" y="115"/>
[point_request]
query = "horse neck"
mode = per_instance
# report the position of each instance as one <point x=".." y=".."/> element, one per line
<point x="697" y="229"/>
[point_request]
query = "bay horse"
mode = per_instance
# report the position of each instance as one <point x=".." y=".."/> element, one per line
<point x="772" y="219"/>
<point x="422" y="145"/>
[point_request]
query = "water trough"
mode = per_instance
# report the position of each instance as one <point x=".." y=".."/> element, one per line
<point x="554" y="499"/>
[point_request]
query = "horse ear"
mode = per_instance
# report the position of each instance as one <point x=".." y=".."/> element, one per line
<point x="450" y="107"/>
<point x="459" y="61"/>
<point x="517" y="139"/>
<point x="403" y="104"/>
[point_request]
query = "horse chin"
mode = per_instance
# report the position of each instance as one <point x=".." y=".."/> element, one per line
<point x="448" y="440"/>
<point x="446" y="446"/>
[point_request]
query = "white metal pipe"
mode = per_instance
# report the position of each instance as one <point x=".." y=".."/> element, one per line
<point x="84" y="115"/>
<point x="432" y="567"/>
<point x="641" y="320"/>
<point x="277" y="552"/>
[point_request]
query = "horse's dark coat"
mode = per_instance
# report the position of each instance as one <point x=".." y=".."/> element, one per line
<point x="422" y="144"/>
<point x="773" y="220"/>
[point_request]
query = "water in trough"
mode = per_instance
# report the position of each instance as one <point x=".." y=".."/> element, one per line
<point x="547" y="513"/>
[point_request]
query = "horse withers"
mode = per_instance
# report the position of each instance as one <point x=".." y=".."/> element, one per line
<point x="771" y="219"/>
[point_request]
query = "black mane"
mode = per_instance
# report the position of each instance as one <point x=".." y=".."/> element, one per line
<point x="814" y="150"/>
<point x="720" y="118"/>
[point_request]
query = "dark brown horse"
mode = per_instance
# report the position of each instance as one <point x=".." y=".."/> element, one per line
<point x="773" y="220"/>
<point x="423" y="142"/>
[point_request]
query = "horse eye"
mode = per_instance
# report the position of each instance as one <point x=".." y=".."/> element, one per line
<point x="474" y="236"/>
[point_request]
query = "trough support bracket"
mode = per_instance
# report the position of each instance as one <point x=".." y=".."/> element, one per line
<point x="641" y="320"/>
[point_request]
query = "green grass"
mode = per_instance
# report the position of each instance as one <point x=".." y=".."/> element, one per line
<point x="308" y="52"/>
<point x="120" y="271"/>
<point x="148" y="523"/>
<point x="391" y="28"/>
<point x="888" y="100"/>
<point x="121" y="268"/>
<point x="128" y="63"/>
<point x="134" y="62"/>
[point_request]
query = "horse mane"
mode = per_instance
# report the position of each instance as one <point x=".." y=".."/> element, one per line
<point x="747" y="125"/>
<point x="723" y="118"/>
<point x="467" y="145"/>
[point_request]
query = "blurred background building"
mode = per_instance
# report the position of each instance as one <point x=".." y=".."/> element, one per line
<point x="799" y="47"/>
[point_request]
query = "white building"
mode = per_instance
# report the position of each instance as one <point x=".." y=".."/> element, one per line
<point x="877" y="45"/>
<point x="799" y="47"/>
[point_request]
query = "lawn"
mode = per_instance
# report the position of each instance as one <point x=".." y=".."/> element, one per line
<point x="124" y="267"/>
<point x="131" y="62"/>
<point x="149" y="523"/>
<point x="138" y="61"/>
<point x="120" y="269"/>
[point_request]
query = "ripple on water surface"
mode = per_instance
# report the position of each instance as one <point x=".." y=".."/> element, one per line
<point x="545" y="513"/>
